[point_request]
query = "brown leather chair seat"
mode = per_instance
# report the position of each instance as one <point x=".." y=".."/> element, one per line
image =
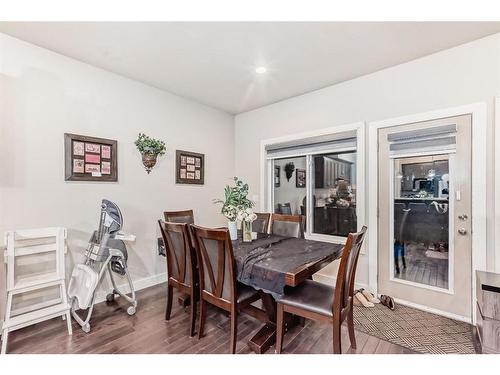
<point x="310" y="295"/>
<point x="245" y="292"/>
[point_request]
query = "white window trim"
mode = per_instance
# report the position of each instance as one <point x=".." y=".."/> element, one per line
<point x="266" y="194"/>
<point x="496" y="259"/>
<point x="479" y="138"/>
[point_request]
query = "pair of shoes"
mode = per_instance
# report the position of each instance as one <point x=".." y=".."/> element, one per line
<point x="364" y="298"/>
<point x="369" y="296"/>
<point x="387" y="301"/>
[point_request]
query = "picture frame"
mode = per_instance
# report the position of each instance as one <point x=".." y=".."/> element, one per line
<point x="300" y="178"/>
<point x="189" y="168"/>
<point x="90" y="158"/>
<point x="277" y="176"/>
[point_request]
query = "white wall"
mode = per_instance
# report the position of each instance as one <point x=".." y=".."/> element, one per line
<point x="43" y="95"/>
<point x="458" y="76"/>
<point x="288" y="192"/>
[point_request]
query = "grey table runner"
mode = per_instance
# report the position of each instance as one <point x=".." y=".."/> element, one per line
<point x="264" y="262"/>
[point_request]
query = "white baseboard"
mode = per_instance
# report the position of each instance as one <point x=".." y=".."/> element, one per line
<point x="138" y="285"/>
<point x="331" y="280"/>
<point x="434" y="311"/>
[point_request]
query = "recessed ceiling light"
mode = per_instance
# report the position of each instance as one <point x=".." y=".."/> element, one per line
<point x="261" y="70"/>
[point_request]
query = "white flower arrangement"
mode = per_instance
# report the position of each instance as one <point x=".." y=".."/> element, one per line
<point x="246" y="215"/>
<point x="230" y="212"/>
<point x="235" y="203"/>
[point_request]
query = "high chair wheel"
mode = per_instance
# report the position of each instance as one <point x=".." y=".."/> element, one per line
<point x="131" y="310"/>
<point x="110" y="297"/>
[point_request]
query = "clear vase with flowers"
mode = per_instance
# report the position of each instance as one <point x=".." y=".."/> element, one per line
<point x="247" y="217"/>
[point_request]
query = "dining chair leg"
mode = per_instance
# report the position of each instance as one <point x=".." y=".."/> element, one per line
<point x="203" y="312"/>
<point x="350" y="327"/>
<point x="337" y="346"/>
<point x="170" y="296"/>
<point x="234" y="330"/>
<point x="280" y="329"/>
<point x="193" y="314"/>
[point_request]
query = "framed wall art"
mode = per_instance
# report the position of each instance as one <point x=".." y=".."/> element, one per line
<point x="277" y="176"/>
<point x="300" y="178"/>
<point x="189" y="168"/>
<point x="90" y="158"/>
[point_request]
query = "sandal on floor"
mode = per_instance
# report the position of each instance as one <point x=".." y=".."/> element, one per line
<point x="370" y="297"/>
<point x="362" y="299"/>
<point x="356" y="301"/>
<point x="387" y="301"/>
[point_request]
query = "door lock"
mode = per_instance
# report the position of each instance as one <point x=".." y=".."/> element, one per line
<point x="462" y="231"/>
<point x="463" y="217"/>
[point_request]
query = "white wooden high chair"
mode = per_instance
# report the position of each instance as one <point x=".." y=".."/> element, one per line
<point x="35" y="245"/>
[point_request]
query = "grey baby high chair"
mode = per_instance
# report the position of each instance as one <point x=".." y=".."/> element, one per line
<point x="106" y="251"/>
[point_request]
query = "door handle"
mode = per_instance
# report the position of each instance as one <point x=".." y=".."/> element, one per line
<point x="462" y="231"/>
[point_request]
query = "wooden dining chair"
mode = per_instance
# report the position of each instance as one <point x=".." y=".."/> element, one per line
<point x="185" y="216"/>
<point x="285" y="208"/>
<point x="217" y="275"/>
<point x="261" y="224"/>
<point x="181" y="266"/>
<point x="287" y="225"/>
<point x="325" y="303"/>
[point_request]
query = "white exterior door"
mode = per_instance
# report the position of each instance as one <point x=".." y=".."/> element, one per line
<point x="424" y="214"/>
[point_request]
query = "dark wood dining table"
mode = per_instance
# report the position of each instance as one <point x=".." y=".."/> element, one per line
<point x="273" y="263"/>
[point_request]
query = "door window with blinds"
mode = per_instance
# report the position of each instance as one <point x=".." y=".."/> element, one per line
<point x="317" y="178"/>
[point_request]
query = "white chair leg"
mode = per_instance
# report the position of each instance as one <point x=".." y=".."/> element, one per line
<point x="5" y="337"/>
<point x="68" y="322"/>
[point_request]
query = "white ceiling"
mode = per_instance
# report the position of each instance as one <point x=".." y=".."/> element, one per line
<point x="214" y="63"/>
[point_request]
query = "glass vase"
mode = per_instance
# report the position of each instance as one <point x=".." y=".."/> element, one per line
<point x="247" y="231"/>
<point x="233" y="230"/>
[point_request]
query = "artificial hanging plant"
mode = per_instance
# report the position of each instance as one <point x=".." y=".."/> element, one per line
<point x="289" y="168"/>
<point x="150" y="149"/>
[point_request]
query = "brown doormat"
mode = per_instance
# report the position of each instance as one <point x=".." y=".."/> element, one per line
<point x="417" y="330"/>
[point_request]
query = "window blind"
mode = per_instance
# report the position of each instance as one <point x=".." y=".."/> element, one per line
<point x="343" y="141"/>
<point x="423" y="140"/>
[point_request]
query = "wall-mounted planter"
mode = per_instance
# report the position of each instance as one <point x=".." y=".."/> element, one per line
<point x="149" y="161"/>
<point x="149" y="148"/>
<point x="289" y="168"/>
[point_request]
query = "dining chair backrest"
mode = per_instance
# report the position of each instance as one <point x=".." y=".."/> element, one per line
<point x="261" y="224"/>
<point x="215" y="263"/>
<point x="344" y="288"/>
<point x="181" y="261"/>
<point x="287" y="225"/>
<point x="185" y="216"/>
<point x="285" y="208"/>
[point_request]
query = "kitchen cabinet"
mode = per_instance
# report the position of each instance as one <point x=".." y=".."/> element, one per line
<point x="335" y="220"/>
<point x="327" y="170"/>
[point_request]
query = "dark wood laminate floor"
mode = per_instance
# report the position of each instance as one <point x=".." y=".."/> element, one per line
<point x="113" y="331"/>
